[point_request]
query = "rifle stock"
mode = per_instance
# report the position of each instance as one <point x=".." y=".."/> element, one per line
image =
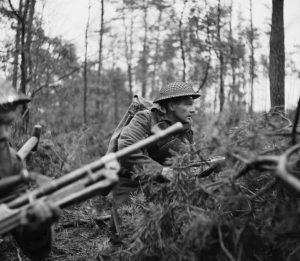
<point x="79" y="184"/>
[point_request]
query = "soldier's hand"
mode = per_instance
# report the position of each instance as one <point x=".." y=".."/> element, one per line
<point x="167" y="173"/>
<point x="112" y="166"/>
<point x="41" y="213"/>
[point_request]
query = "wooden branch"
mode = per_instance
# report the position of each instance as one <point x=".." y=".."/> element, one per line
<point x="14" y="11"/>
<point x="205" y="74"/>
<point x="225" y="250"/>
<point x="264" y="189"/>
<point x="282" y="171"/>
<point x="54" y="83"/>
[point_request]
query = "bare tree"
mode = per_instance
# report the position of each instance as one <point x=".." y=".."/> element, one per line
<point x="17" y="46"/>
<point x="221" y="58"/>
<point x="208" y="43"/>
<point x="85" y="77"/>
<point x="100" y="43"/>
<point x="128" y="46"/>
<point x="157" y="43"/>
<point x="277" y="56"/>
<point x="145" y="49"/>
<point x="99" y="71"/>
<point x="232" y="58"/>
<point x="252" y="61"/>
<point x="182" y="42"/>
<point x="24" y="16"/>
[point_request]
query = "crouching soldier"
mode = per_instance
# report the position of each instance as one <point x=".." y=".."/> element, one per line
<point x="35" y="235"/>
<point x="174" y="103"/>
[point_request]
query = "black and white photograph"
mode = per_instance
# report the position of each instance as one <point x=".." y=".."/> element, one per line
<point x="149" y="130"/>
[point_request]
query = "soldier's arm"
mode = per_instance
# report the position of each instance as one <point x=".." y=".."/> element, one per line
<point x="138" y="129"/>
<point x="34" y="237"/>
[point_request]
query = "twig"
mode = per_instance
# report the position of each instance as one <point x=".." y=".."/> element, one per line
<point x="249" y="190"/>
<point x="52" y="84"/>
<point x="282" y="171"/>
<point x="55" y="257"/>
<point x="228" y="254"/>
<point x="292" y="253"/>
<point x="18" y="254"/>
<point x="262" y="163"/>
<point x="14" y="11"/>
<point x="264" y="189"/>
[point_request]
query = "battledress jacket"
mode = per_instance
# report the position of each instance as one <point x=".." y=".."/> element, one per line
<point x="35" y="245"/>
<point x="154" y="157"/>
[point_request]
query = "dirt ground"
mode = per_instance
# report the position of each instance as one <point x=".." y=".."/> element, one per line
<point x="79" y="235"/>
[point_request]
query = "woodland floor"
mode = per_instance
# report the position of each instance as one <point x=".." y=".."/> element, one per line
<point x="77" y="237"/>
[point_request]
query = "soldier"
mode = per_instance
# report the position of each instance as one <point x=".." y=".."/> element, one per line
<point x="174" y="103"/>
<point x="35" y="236"/>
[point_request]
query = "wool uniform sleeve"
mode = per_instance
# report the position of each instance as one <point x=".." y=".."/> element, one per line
<point x="138" y="129"/>
<point x="35" y="244"/>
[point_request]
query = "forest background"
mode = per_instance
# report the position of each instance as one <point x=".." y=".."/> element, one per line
<point x="81" y="86"/>
<point x="92" y="67"/>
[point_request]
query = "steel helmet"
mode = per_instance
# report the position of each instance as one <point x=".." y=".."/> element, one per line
<point x="9" y="95"/>
<point x="176" y="89"/>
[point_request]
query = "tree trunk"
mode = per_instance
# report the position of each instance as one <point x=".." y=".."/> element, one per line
<point x="232" y="61"/>
<point x="17" y="47"/>
<point x="99" y="72"/>
<point x="182" y="43"/>
<point x="277" y="56"/>
<point x="24" y="55"/>
<point x="29" y="36"/>
<point x="28" y="19"/>
<point x="252" y="61"/>
<point x="156" y="54"/>
<point x="128" y="49"/>
<point x="221" y="60"/>
<point x="85" y="78"/>
<point x="25" y="48"/>
<point x="145" y="51"/>
<point x="209" y="44"/>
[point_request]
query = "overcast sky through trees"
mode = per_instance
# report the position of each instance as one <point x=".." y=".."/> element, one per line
<point x="67" y="18"/>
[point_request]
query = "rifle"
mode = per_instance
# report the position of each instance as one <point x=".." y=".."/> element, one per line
<point x="200" y="163"/>
<point x="77" y="185"/>
<point x="214" y="164"/>
<point x="9" y="183"/>
<point x="217" y="163"/>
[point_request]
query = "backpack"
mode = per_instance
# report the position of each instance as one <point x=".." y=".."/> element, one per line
<point x="138" y="104"/>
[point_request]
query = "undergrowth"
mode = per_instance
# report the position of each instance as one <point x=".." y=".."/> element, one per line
<point x="216" y="217"/>
<point x="219" y="217"/>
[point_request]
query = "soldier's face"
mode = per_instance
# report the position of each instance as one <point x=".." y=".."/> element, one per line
<point x="183" y="110"/>
<point x="6" y="120"/>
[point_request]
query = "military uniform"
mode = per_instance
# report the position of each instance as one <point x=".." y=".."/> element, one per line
<point x="155" y="157"/>
<point x="35" y="241"/>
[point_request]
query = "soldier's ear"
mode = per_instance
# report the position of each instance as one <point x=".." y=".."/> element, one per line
<point x="170" y="106"/>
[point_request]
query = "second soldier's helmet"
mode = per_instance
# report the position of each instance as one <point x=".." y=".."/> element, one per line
<point x="9" y="95"/>
<point x="176" y="89"/>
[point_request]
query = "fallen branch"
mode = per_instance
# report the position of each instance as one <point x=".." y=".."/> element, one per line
<point x="277" y="164"/>
<point x="264" y="189"/>
<point x="225" y="250"/>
